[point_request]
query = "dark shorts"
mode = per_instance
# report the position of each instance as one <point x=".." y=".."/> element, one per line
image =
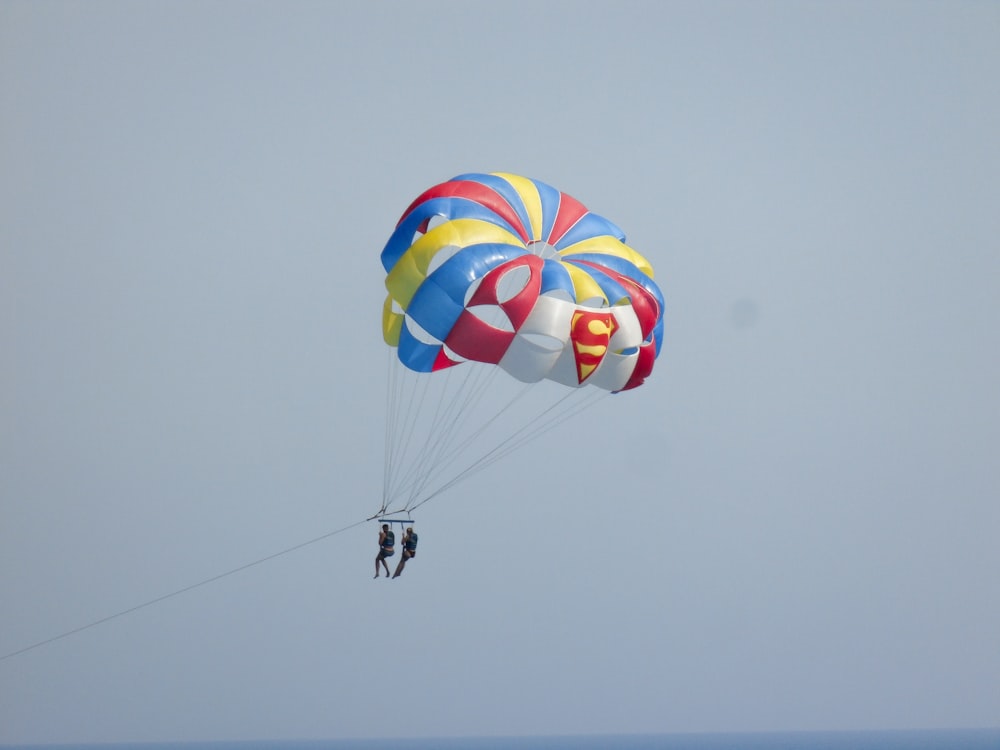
<point x="385" y="553"/>
<point x="410" y="552"/>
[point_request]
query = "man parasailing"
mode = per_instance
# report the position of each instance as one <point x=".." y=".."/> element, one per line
<point x="386" y="540"/>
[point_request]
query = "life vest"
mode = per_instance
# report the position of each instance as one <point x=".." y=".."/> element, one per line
<point x="389" y="541"/>
<point x="411" y="542"/>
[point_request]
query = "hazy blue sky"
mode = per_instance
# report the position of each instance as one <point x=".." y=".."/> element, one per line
<point x="793" y="525"/>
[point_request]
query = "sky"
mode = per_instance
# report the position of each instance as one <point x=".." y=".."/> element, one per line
<point x="791" y="526"/>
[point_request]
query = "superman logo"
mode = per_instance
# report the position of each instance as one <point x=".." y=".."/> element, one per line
<point x="590" y="333"/>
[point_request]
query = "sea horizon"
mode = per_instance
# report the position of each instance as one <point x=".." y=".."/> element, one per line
<point x="883" y="739"/>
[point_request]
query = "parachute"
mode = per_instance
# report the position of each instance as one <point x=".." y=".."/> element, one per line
<point x="501" y="273"/>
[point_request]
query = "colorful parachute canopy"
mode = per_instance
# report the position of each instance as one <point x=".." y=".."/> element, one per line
<point x="507" y="270"/>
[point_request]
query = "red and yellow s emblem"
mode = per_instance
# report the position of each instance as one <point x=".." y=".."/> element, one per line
<point x="590" y="333"/>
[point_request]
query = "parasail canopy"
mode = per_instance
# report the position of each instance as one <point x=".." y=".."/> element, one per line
<point x="506" y="270"/>
<point x="503" y="274"/>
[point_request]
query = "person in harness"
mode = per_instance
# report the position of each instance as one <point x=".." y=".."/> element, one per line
<point x="409" y="550"/>
<point x="386" y="540"/>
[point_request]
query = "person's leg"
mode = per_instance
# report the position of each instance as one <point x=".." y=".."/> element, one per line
<point x="401" y="565"/>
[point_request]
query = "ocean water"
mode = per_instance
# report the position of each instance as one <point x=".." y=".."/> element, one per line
<point x="950" y="739"/>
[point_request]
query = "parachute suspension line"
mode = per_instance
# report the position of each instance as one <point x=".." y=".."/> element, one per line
<point x="407" y="399"/>
<point x="543" y="423"/>
<point x="394" y="411"/>
<point x="411" y="396"/>
<point x="391" y="415"/>
<point x="437" y="420"/>
<point x="395" y="399"/>
<point x="442" y="432"/>
<point x="450" y="441"/>
<point x="538" y="427"/>
<point x="521" y="437"/>
<point x="449" y="453"/>
<point x="438" y="433"/>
